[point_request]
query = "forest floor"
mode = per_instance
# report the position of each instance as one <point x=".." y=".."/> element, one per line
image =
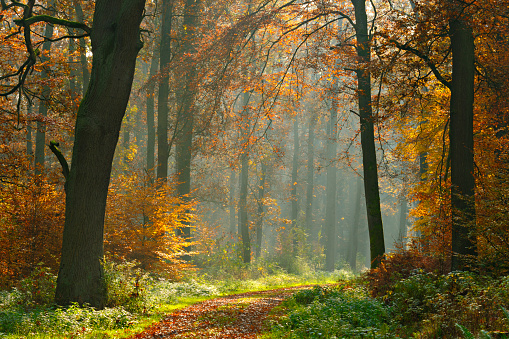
<point x="240" y="316"/>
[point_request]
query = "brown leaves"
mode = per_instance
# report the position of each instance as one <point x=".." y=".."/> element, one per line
<point x="238" y="316"/>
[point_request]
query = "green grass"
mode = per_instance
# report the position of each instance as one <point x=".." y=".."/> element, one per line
<point x="159" y="298"/>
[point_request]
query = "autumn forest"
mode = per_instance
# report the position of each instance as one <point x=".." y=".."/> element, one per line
<point x="187" y="147"/>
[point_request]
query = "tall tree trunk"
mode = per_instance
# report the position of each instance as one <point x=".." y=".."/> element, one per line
<point x="371" y="190"/>
<point x="231" y="202"/>
<point x="72" y="72"/>
<point x="261" y="210"/>
<point x="115" y="45"/>
<point x="295" y="171"/>
<point x="330" y="210"/>
<point x="244" y="176"/>
<point x="30" y="146"/>
<point x="187" y="108"/>
<point x="40" y="135"/>
<point x="82" y="49"/>
<point x="403" y="214"/>
<point x="310" y="172"/>
<point x="164" y="91"/>
<point x="151" y="131"/>
<point x="462" y="141"/>
<point x="354" y="229"/>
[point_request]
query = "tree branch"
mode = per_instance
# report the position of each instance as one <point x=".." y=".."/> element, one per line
<point x="52" y="20"/>
<point x="65" y="167"/>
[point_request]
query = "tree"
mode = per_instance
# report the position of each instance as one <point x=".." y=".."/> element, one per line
<point x="115" y="44"/>
<point x="164" y="91"/>
<point x="461" y="137"/>
<point x="369" y="162"/>
<point x="330" y="218"/>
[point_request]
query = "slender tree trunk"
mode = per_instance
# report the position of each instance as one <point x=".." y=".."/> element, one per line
<point x="354" y="229"/>
<point x="310" y="172"/>
<point x="244" y="176"/>
<point x="82" y="49"/>
<point x="403" y="214"/>
<point x="151" y="131"/>
<point x="462" y="142"/>
<point x="231" y="202"/>
<point x="40" y="135"/>
<point x="330" y="210"/>
<point x="295" y="171"/>
<point x="115" y="45"/>
<point x="30" y="146"/>
<point x="72" y="72"/>
<point x="187" y="108"/>
<point x="371" y="190"/>
<point x="164" y="91"/>
<point x="261" y="210"/>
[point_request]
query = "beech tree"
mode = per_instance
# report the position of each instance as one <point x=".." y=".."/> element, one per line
<point x="115" y="40"/>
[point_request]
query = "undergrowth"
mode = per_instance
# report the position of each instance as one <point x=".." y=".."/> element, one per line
<point x="135" y="300"/>
<point x="339" y="311"/>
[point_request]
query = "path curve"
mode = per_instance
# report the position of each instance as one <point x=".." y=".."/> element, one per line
<point x="234" y="316"/>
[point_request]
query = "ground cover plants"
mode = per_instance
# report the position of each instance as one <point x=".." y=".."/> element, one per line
<point x="135" y="301"/>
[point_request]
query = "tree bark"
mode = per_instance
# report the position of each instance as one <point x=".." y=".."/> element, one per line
<point x="354" y="229"/>
<point x="82" y="49"/>
<point x="310" y="172"/>
<point x="261" y="210"/>
<point x="462" y="142"/>
<point x="295" y="171"/>
<point x="371" y="189"/>
<point x="164" y="91"/>
<point x="244" y="176"/>
<point x="403" y="214"/>
<point x="151" y="131"/>
<point x="231" y="202"/>
<point x="115" y="45"/>
<point x="330" y="210"/>
<point x="187" y="109"/>
<point x="40" y="135"/>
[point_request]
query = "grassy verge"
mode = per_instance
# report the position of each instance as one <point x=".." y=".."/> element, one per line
<point x="23" y="317"/>
<point x="343" y="310"/>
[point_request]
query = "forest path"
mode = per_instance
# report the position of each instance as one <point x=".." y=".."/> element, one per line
<point x="235" y="316"/>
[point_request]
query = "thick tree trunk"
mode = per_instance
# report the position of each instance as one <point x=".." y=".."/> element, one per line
<point x="151" y="131"/>
<point x="330" y="210"/>
<point x="40" y="135"/>
<point x="371" y="190"/>
<point x="115" y="45"/>
<point x="462" y="143"/>
<point x="310" y="172"/>
<point x="164" y="91"/>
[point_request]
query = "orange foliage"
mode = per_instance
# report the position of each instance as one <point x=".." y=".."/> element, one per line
<point x="31" y="224"/>
<point x="143" y="222"/>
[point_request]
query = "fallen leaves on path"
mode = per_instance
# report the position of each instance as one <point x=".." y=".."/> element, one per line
<point x="235" y="316"/>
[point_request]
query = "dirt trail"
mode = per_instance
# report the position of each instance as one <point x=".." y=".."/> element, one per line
<point x="236" y="316"/>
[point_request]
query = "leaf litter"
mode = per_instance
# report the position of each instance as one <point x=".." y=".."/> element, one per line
<point x="235" y="316"/>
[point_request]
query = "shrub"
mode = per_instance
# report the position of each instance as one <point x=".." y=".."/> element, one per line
<point x="126" y="285"/>
<point x="334" y="312"/>
<point x="400" y="265"/>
